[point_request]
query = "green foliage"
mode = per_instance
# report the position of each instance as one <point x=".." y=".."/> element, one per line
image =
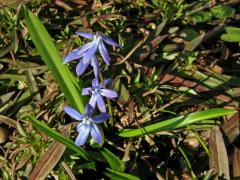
<point x="178" y="70"/>
<point x="202" y="16"/>
<point x="233" y="34"/>
<point x="219" y="12"/>
<point x="222" y="12"/>
<point x="57" y="136"/>
<point x="169" y="9"/>
<point x="50" y="56"/>
<point x="115" y="163"/>
<point x="119" y="175"/>
<point x="177" y="122"/>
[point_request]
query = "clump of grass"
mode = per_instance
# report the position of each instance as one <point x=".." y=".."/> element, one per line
<point x="176" y="76"/>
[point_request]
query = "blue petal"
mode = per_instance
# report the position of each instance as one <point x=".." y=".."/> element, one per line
<point x="84" y="48"/>
<point x="72" y="56"/>
<point x="83" y="134"/>
<point x="95" y="82"/>
<point x="79" y="127"/>
<point x="77" y="53"/>
<point x="81" y="67"/>
<point x="85" y="34"/>
<point x="73" y="113"/>
<point x="86" y="91"/>
<point x="96" y="133"/>
<point x="108" y="93"/>
<point x="93" y="100"/>
<point x="107" y="82"/>
<point x="100" y="118"/>
<point x="95" y="65"/>
<point x="110" y="41"/>
<point x="101" y="104"/>
<point x="104" y="53"/>
<point x="89" y="110"/>
<point x="90" y="52"/>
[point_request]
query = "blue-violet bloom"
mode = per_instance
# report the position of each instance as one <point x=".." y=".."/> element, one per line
<point x="88" y="124"/>
<point x="98" y="90"/>
<point x="88" y="51"/>
<point x="81" y="66"/>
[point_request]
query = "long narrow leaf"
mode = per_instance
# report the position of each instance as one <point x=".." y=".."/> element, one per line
<point x="236" y="163"/>
<point x="114" y="162"/>
<point x="59" y="137"/>
<point x="177" y="122"/>
<point x="187" y="161"/>
<point x="218" y="157"/>
<point x="119" y="175"/>
<point x="50" y="56"/>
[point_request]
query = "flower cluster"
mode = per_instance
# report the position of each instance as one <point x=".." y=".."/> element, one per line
<point x="87" y="56"/>
<point x="88" y="52"/>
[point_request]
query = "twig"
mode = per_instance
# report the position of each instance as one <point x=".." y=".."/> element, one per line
<point x="133" y="50"/>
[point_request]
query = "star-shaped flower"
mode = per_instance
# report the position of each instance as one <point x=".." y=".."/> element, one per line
<point x="87" y="125"/>
<point x="98" y="90"/>
<point x="88" y="51"/>
<point x="81" y="66"/>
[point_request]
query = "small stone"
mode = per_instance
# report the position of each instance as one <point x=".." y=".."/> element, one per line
<point x="3" y="135"/>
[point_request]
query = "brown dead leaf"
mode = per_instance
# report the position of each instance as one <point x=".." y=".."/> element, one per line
<point x="217" y="69"/>
<point x="218" y="158"/>
<point x="236" y="163"/>
<point x="23" y="162"/>
<point x="231" y="129"/>
<point x="8" y="121"/>
<point x="50" y="158"/>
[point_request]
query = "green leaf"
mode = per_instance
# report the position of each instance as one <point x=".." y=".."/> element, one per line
<point x="181" y="149"/>
<point x="4" y="98"/>
<point x="230" y="29"/>
<point x="59" y="137"/>
<point x="124" y="95"/>
<point x="50" y="56"/>
<point x="119" y="175"/>
<point x="201" y="16"/>
<point x="222" y="12"/>
<point x="114" y="162"/>
<point x="233" y="34"/>
<point x="5" y="50"/>
<point x="190" y="34"/>
<point x="194" y="43"/>
<point x="177" y="122"/>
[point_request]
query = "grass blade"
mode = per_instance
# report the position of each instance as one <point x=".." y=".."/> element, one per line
<point x="114" y="162"/>
<point x="50" y="56"/>
<point x="59" y="137"/>
<point x="177" y="122"/>
<point x="119" y="175"/>
<point x="194" y="43"/>
<point x="187" y="161"/>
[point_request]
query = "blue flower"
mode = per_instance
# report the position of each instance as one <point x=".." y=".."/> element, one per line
<point x="88" y="51"/>
<point x="87" y="124"/>
<point x="97" y="90"/>
<point x="82" y="66"/>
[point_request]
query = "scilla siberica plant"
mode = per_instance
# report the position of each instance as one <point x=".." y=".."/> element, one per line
<point x="87" y="56"/>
